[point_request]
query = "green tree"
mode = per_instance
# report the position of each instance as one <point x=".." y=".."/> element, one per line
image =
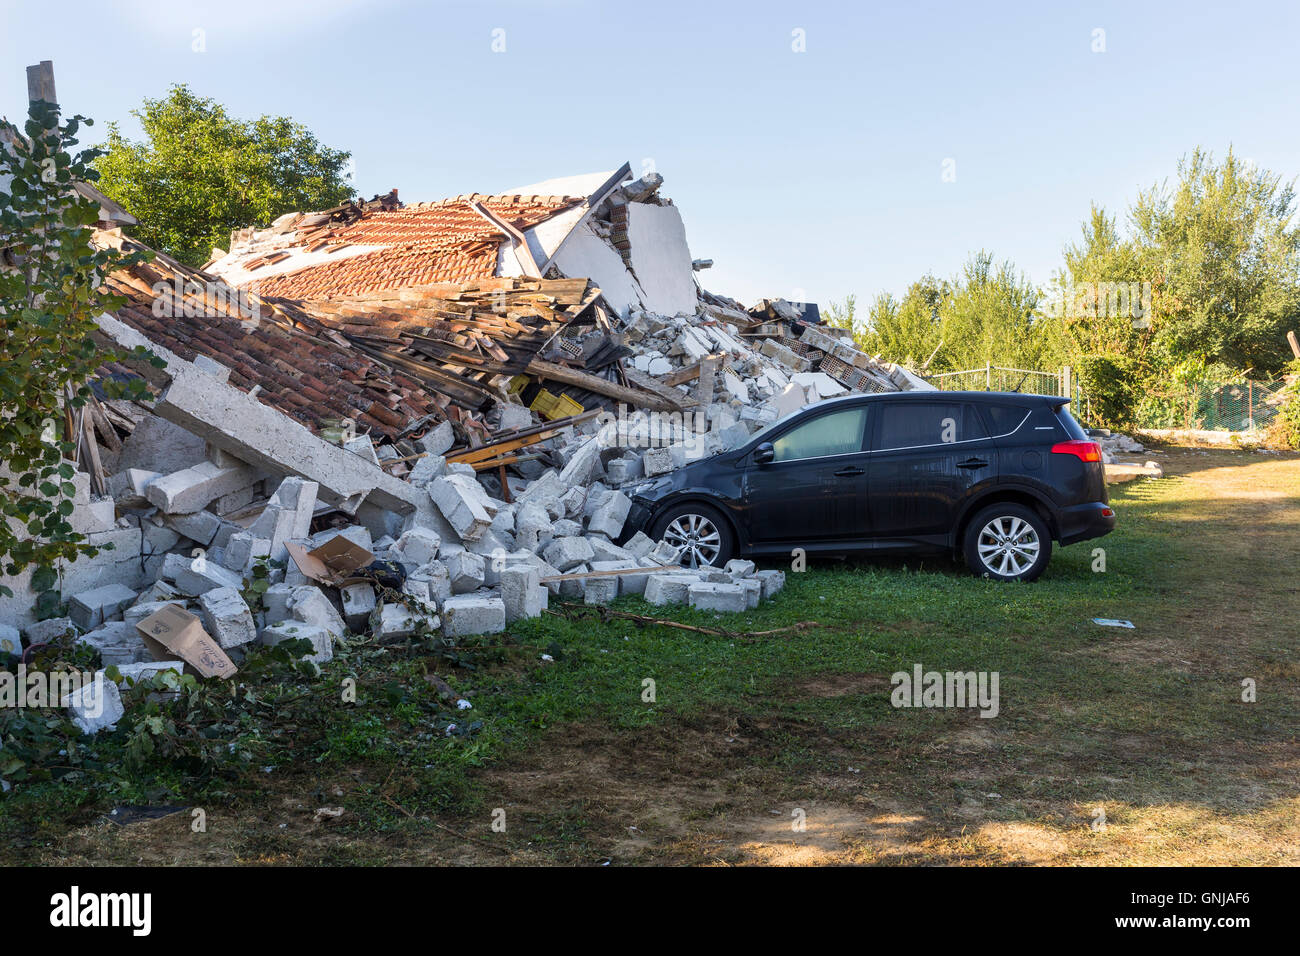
<point x="1221" y="252"/>
<point x="50" y="295"/>
<point x="987" y="313"/>
<point x="201" y="173"/>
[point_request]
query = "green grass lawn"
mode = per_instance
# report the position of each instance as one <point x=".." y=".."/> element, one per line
<point x="745" y="729"/>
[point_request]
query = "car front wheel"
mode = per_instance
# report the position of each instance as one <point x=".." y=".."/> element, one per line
<point x="700" y="531"/>
<point x="1008" y="542"/>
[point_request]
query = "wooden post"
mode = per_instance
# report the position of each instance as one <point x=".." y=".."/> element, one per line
<point x="988" y="376"/>
<point x="40" y="82"/>
<point x="1295" y="345"/>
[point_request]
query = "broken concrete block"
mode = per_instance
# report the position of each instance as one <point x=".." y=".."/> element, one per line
<point x="545" y="489"/>
<point x="460" y="507"/>
<point x="532" y="526"/>
<point x="417" y="546"/>
<point x="639" y="545"/>
<point x="426" y="469"/>
<point x="190" y="489"/>
<point x="49" y="630"/>
<point x="95" y="706"/>
<point x="227" y="618"/>
<point x="465" y="614"/>
<point x="358" y="604"/>
<point x="664" y="553"/>
<point x="600" y="590"/>
<point x="772" y="582"/>
<point x="605" y="550"/>
<point x="198" y="575"/>
<point x="92" y="608"/>
<point x="668" y="588"/>
<point x="609" y="517"/>
<point x="243" y="550"/>
<point x="738" y="568"/>
<point x="275" y="600"/>
<point x="310" y="605"/>
<point x="522" y="592"/>
<point x="117" y="643"/>
<point x="707" y="596"/>
<point x="657" y="461"/>
<point x="466" y="571"/>
<point x="573" y="501"/>
<point x="10" y="641"/>
<point x="145" y="670"/>
<point x="513" y="416"/>
<point x="94" y="517"/>
<point x="753" y="589"/>
<point x="138" y="612"/>
<point x="202" y="527"/>
<point x="357" y="534"/>
<point x="397" y="620"/>
<point x="438" y="439"/>
<point x="322" y="640"/>
<point x="567" y="553"/>
<point x="363" y="446"/>
<point x="430" y="584"/>
<point x="627" y="583"/>
<point x="566" y="528"/>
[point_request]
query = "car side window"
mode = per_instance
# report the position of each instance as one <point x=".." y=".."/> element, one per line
<point x="915" y="424"/>
<point x="1005" y="418"/>
<point x="836" y="433"/>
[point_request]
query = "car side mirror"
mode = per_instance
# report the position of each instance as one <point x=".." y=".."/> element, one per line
<point x="764" y="453"/>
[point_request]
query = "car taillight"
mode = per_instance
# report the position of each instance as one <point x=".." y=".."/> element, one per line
<point x="1083" y="450"/>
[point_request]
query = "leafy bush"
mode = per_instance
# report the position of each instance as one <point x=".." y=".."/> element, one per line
<point x="1112" y="385"/>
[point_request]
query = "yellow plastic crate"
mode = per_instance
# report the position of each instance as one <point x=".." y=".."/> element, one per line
<point x="552" y="407"/>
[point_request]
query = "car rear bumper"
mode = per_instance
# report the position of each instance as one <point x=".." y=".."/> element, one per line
<point x="1081" y="522"/>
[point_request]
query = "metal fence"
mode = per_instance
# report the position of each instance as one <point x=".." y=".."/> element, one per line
<point x="999" y="378"/>
<point x="1214" y="406"/>
<point x="1227" y="406"/>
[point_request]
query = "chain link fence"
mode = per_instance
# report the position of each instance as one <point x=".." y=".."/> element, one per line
<point x="1211" y="406"/>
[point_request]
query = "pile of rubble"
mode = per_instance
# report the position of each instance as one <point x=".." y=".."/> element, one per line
<point x="1114" y="445"/>
<point x="393" y="459"/>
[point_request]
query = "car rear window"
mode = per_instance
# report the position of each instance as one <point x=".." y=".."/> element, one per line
<point x="912" y="424"/>
<point x="1072" y="428"/>
<point x="1005" y="418"/>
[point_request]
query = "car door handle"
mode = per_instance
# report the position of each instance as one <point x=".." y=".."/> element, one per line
<point x="850" y="472"/>
<point x="973" y="463"/>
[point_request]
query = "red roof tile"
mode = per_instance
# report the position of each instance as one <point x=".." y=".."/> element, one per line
<point x="445" y="241"/>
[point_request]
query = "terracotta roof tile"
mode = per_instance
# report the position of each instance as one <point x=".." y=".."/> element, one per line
<point x="444" y="241"/>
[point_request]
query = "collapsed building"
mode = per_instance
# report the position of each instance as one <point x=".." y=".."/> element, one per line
<point x="421" y="418"/>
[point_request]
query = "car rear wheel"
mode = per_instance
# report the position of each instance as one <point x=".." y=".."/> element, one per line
<point x="1008" y="542"/>
<point x="700" y="531"/>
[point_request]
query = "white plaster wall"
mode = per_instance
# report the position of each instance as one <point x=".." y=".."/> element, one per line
<point x="661" y="259"/>
<point x="587" y="255"/>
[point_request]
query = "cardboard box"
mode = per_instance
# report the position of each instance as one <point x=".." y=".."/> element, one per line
<point x="173" y="633"/>
<point x="333" y="562"/>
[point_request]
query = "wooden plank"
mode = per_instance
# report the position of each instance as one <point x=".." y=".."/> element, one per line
<point x="651" y="384"/>
<point x="592" y="383"/>
<point x="683" y="375"/>
<point x="703" y="392"/>
<point x="40" y="82"/>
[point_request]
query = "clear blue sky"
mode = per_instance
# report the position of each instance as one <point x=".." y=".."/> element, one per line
<point x="804" y="175"/>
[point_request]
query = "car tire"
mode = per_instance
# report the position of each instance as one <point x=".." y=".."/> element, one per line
<point x="700" y="530"/>
<point x="1007" y="542"/>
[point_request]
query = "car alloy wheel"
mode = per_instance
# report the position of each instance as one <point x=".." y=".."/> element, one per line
<point x="1008" y="546"/>
<point x="697" y="536"/>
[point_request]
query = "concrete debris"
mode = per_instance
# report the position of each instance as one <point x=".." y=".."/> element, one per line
<point x="481" y="493"/>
